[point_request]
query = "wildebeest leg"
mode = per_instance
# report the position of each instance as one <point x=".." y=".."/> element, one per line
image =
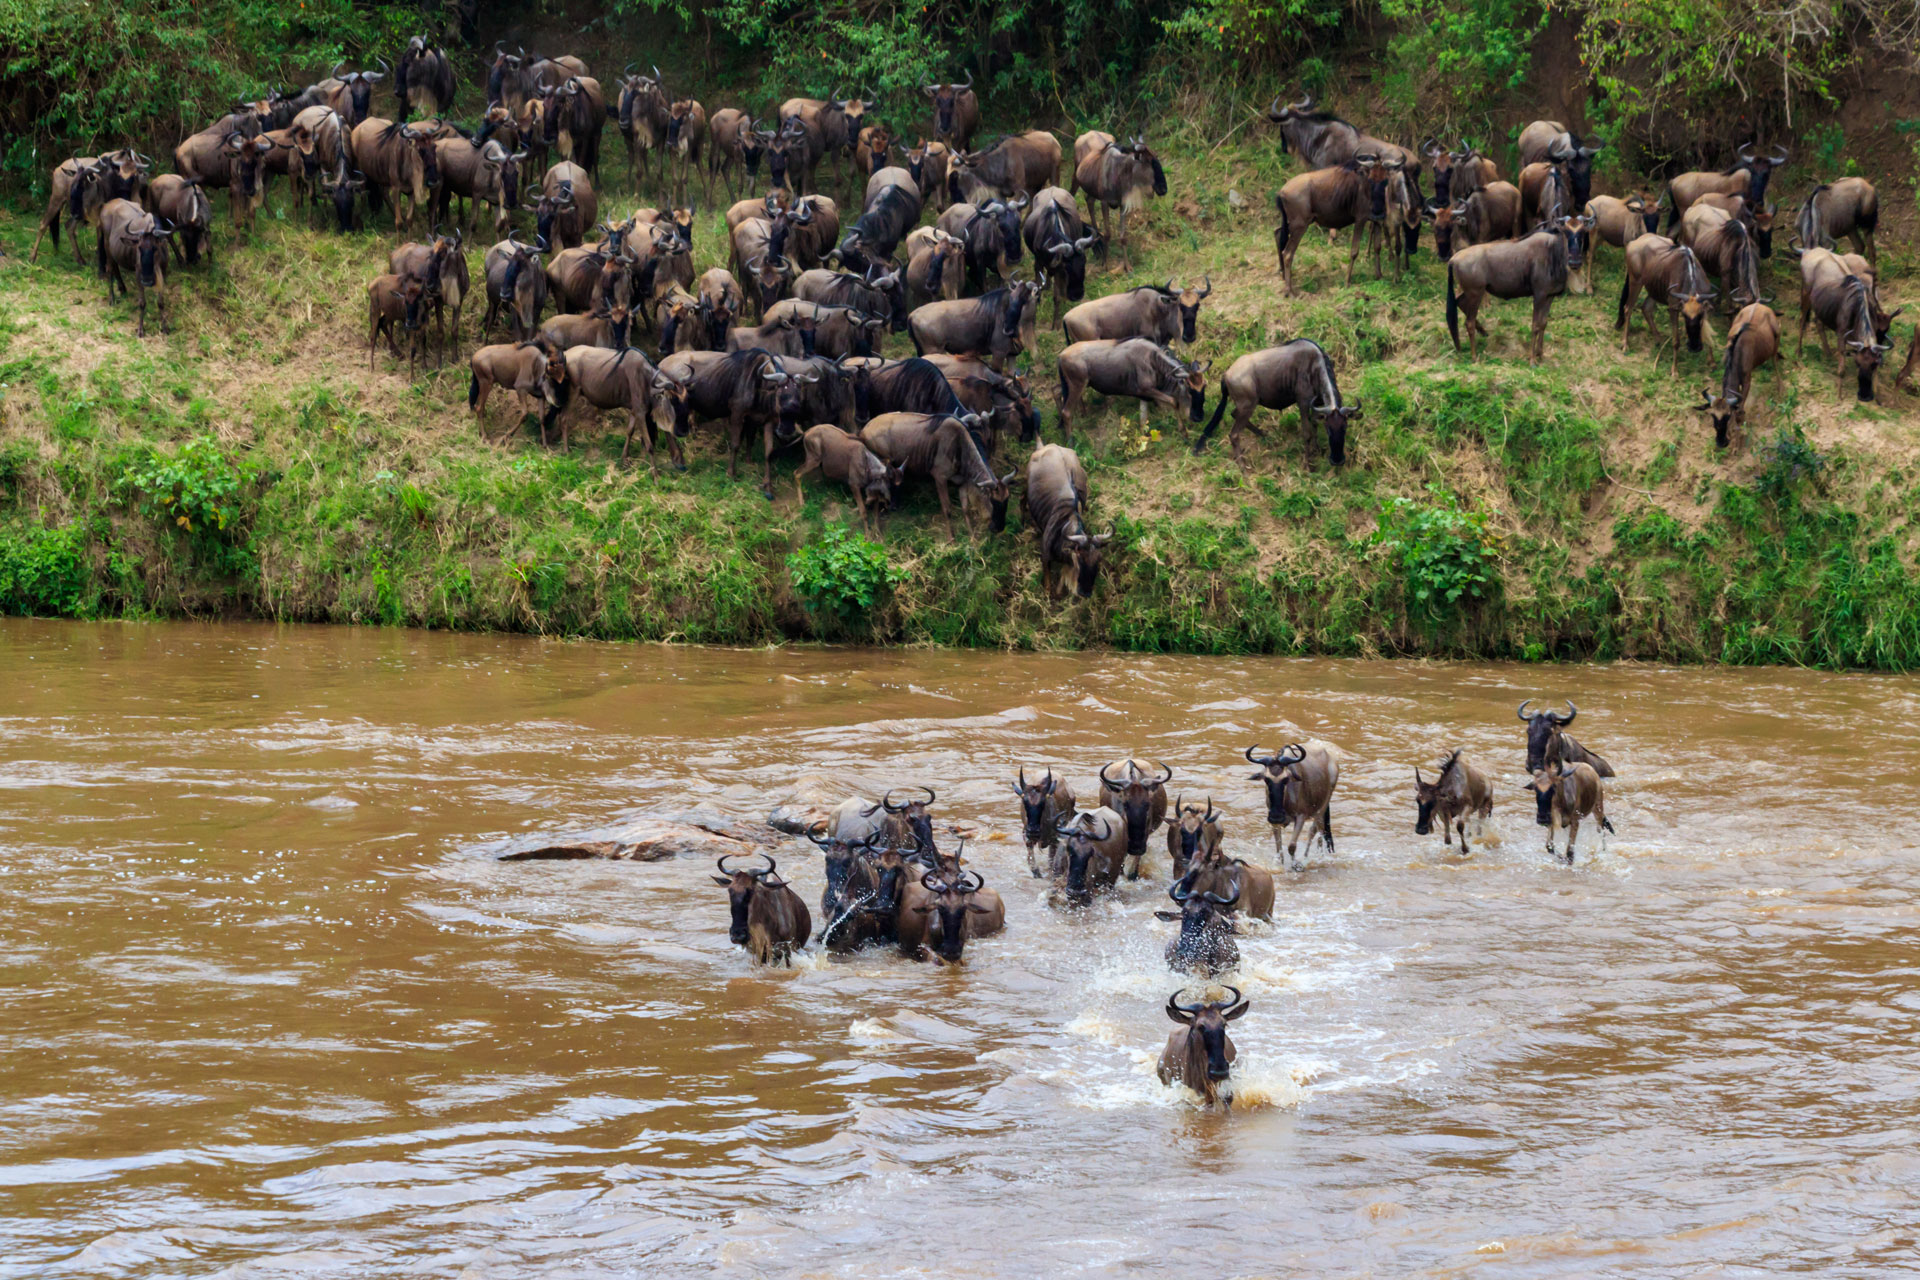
<point x="946" y="507"/>
<point x="1461" y="822"/>
<point x="736" y="428"/>
<point x="1353" y="253"/>
<point x="1541" y="307"/>
<point x="766" y="475"/>
<point x="811" y="465"/>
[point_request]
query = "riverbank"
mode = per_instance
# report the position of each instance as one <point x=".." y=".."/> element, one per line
<point x="247" y="464"/>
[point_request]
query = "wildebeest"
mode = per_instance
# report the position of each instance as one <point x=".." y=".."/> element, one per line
<point x="936" y="266"/>
<point x="1725" y="249"/>
<point x="397" y="302"/>
<point x="654" y="403"/>
<point x="1300" y="780"/>
<point x="83" y="186"/>
<point x="1545" y="193"/>
<point x="686" y="143"/>
<point x="1136" y="367"/>
<point x="733" y="143"/>
<point x="962" y="907"/>
<point x="1164" y="313"/>
<point x="769" y="919"/>
<point x="1193" y="832"/>
<point x="1489" y="214"/>
<point x="1205" y="942"/>
<point x="956" y="112"/>
<point x="442" y="266"/>
<point x="1343" y="195"/>
<point x="572" y="115"/>
<point x="206" y="155"/>
<point x="1141" y="800"/>
<point x="989" y="235"/>
<point x="332" y="142"/>
<point x="1548" y="741"/>
<point x="607" y="325"/>
<point x="838" y="456"/>
<point x="1534" y="266"/>
<point x="871" y="150"/>
<point x="1056" y="505"/>
<point x="181" y="202"/>
<point x="1753" y="340"/>
<point x="1053" y="231"/>
<point x="1005" y="398"/>
<point x="1322" y="139"/>
<point x="743" y="389"/>
<point x="782" y="333"/>
<point x="879" y="292"/>
<point x="1843" y="302"/>
<point x="1458" y="792"/>
<point x="1844" y="207"/>
<point x="247" y="176"/>
<point x="568" y="206"/>
<point x="516" y="287"/>
<point x="400" y="162"/>
<point x="1619" y="222"/>
<point x="527" y="369"/>
<point x="834" y="332"/>
<point x="131" y="239"/>
<point x="482" y="173"/>
<point x="1092" y="849"/>
<point x="940" y="448"/>
<point x="423" y="78"/>
<point x="997" y="325"/>
<point x="1236" y="877"/>
<point x="1565" y="793"/>
<point x="1044" y="805"/>
<point x="1758" y="222"/>
<point x="721" y="302"/>
<point x="1549" y="140"/>
<point x="856" y="907"/>
<point x="1746" y="176"/>
<point x="1022" y="162"/>
<point x="1200" y="1055"/>
<point x="1297" y="373"/>
<point x="343" y="192"/>
<point x="1671" y="276"/>
<point x="516" y="77"/>
<point x="882" y="225"/>
<point x="350" y="95"/>
<point x="643" y="113"/>
<point x="927" y="164"/>
<point x="1118" y="178"/>
<point x="1400" y="227"/>
<point x="831" y="125"/>
<point x="581" y="278"/>
<point x="66" y="176"/>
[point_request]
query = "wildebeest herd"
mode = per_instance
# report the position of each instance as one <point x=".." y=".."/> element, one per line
<point x="888" y="884"/>
<point x="786" y="340"/>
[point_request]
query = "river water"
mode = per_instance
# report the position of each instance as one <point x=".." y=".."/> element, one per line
<point x="272" y="1006"/>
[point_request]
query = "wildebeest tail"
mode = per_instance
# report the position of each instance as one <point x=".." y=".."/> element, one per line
<point x="1626" y="283"/>
<point x="1219" y="411"/>
<point x="1673" y="209"/>
<point x="1453" y="310"/>
<point x="473" y="390"/>
<point x="1281" y="236"/>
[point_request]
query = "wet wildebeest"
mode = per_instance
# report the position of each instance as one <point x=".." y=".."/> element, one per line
<point x="733" y="143"/>
<point x="1747" y="176"/>
<point x="855" y="908"/>
<point x="838" y="456"/>
<point x="997" y="325"/>
<point x="1843" y="302"/>
<point x="1205" y="942"/>
<point x="1300" y="780"/>
<point x="769" y="919"/>
<point x="1458" y="792"/>
<point x="1725" y="249"/>
<point x="1535" y="266"/>
<point x="941" y="448"/>
<point x="1565" y="793"/>
<point x="482" y="173"/>
<point x="989" y="235"/>
<point x="423" y="78"/>
<point x="131" y="239"/>
<point x="1298" y="373"/>
<point x="1548" y="741"/>
<point x="1193" y="832"/>
<point x="397" y="302"/>
<point x="905" y="823"/>
<point x="516" y="287"/>
<point x="1754" y="340"/>
<point x="1023" y="162"/>
<point x="568" y="206"/>
<point x="1165" y="313"/>
<point x="1673" y="277"/>
<point x="643" y="112"/>
<point x="1200" y="1055"/>
<point x="1322" y="139"/>
<point x="401" y="164"/>
<point x="1090" y="855"/>
<point x="962" y="907"/>
<point x="1044" y="806"/>
<point x="1344" y="195"/>
<point x="956" y="112"/>
<point x="1136" y="367"/>
<point x="530" y="370"/>
<point x="1052" y="229"/>
<point x="1141" y="799"/>
<point x="1216" y="872"/>
<point x="1845" y="207"/>
<point x="654" y="403"/>
<point x="1119" y="179"/>
<point x="831" y="125"/>
<point x="1056" y="505"/>
<point x="927" y="163"/>
<point x="181" y="202"/>
<point x="343" y="191"/>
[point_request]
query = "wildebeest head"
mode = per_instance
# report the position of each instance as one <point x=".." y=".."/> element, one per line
<point x="560" y="203"/>
<point x="1134" y="795"/>
<point x="1006" y="215"/>
<point x="150" y="249"/>
<point x="1207" y="1025"/>
<point x="1186" y="300"/>
<point x="1866" y="357"/>
<point x="778" y="147"/>
<point x="891" y="285"/>
<point x="360" y="90"/>
<point x="1763" y="228"/>
<point x="953" y="902"/>
<point x="1543" y="733"/>
<point x="1138" y="149"/>
<point x="343" y="193"/>
<point x="769" y="275"/>
<point x="1427" y="794"/>
<point x="752" y="143"/>
<point x="679" y="122"/>
<point x="741" y="885"/>
<point x="1190" y="823"/>
<point x="413" y="295"/>
<point x="790" y="403"/>
<point x="1759" y="170"/>
<point x="1576" y="158"/>
<point x="1084" y="550"/>
<point x="1189" y="376"/>
<point x="1443" y="215"/>
<point x="246" y="156"/>
<point x="854" y="110"/>
<point x="1442" y="161"/>
<point x="429" y="155"/>
<point x="1278" y="772"/>
<point x="1206" y="933"/>
<point x="913" y="813"/>
<point x="1082" y="852"/>
<point x="1647" y="211"/>
<point x="672" y="411"/>
<point x="1036" y="805"/>
<point x="1545" y="782"/>
<point x="1723" y="410"/>
<point x="945" y="97"/>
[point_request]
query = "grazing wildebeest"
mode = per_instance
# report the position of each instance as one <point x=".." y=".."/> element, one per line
<point x="769" y="919"/>
<point x="956" y="112"/>
<point x="998" y="325"/>
<point x="1136" y="367"/>
<point x="516" y="286"/>
<point x="654" y="403"/>
<point x="1044" y="806"/>
<point x="1119" y="179"/>
<point x="529" y="370"/>
<point x="1323" y="140"/>
<point x="1725" y="249"/>
<point x="397" y="302"/>
<point x="1052" y="229"/>
<point x="941" y="448"/>
<point x="1056" y="505"/>
<point x="1141" y="800"/>
<point x="961" y="908"/>
<point x="442" y="266"/>
<point x="1458" y="792"/>
<point x="181" y="202"/>
<point x="733" y="143"/>
<point x="1747" y="176"/>
<point x="1091" y="854"/>
<point x="1341" y="196"/>
<point x="1843" y="302"/>
<point x="1205" y="942"/>
<point x="1298" y="373"/>
<point x="1300" y="780"/>
<point x="1022" y="162"/>
<point x="423" y="78"/>
<point x="1672" y="276"/>
<point x="131" y="239"/>
<point x="643" y="110"/>
<point x="400" y="162"/>
<point x="1565" y="793"/>
<point x="1534" y="266"/>
<point x="1200" y="1055"/>
<point x="1193" y="832"/>
<point x="1548" y="741"/>
<point x="1753" y="340"/>
<point x="1165" y="313"/>
<point x="482" y="173"/>
<point x="1844" y="207"/>
<point x="838" y="456"/>
<point x="831" y="126"/>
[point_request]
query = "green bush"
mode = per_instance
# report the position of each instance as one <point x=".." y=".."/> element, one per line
<point x="42" y="571"/>
<point x="842" y="576"/>
<point x="196" y="489"/>
<point x="1445" y="555"/>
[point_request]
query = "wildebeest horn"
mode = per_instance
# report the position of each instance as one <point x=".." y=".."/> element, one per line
<point x="1779" y="156"/>
<point x="819" y="826"/>
<point x="1745" y="155"/>
<point x="656" y="71"/>
<point x="1210" y="814"/>
<point x="1572" y="711"/>
<point x="721" y="862"/>
<point x="887" y="803"/>
<point x="1103" y="774"/>
<point x="1219" y="901"/>
<point x="1523" y="710"/>
<point x="1180" y="890"/>
<point x="1164" y="780"/>
<point x="1207" y="287"/>
<point x="1254" y="759"/>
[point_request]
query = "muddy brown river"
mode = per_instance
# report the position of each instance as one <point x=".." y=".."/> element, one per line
<point x="271" y="1006"/>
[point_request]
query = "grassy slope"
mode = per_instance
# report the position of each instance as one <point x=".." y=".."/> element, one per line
<point x="366" y="498"/>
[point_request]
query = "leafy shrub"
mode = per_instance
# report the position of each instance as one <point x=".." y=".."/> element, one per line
<point x="1790" y="458"/>
<point x="1445" y="555"/>
<point x="42" y="571"/>
<point x="842" y="575"/>
<point x="196" y="489"/>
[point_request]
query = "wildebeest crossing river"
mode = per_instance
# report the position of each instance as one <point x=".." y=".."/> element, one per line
<point x="274" y="1006"/>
